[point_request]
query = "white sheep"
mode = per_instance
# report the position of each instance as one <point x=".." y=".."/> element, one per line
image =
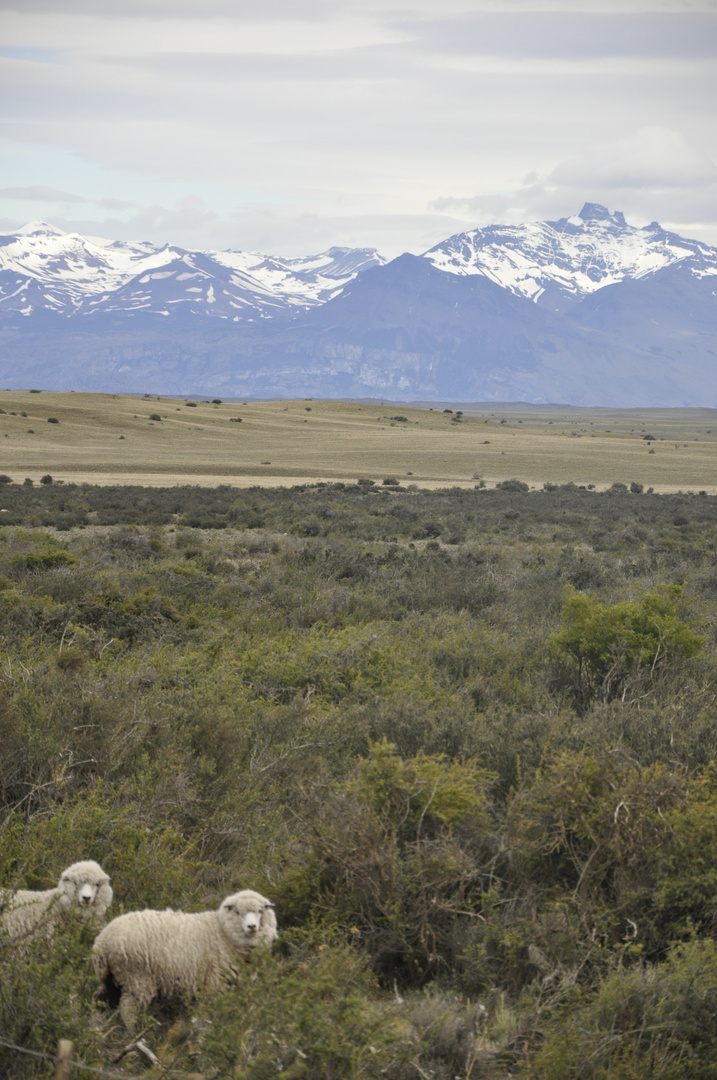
<point x="148" y="954"/>
<point x="83" y="888"/>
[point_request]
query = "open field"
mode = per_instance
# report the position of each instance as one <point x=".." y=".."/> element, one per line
<point x="112" y="438"/>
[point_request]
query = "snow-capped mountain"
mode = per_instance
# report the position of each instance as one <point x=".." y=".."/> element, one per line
<point x="555" y="263"/>
<point x="43" y="269"/>
<point x="587" y="310"/>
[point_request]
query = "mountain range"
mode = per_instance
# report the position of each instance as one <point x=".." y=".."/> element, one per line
<point x="587" y="310"/>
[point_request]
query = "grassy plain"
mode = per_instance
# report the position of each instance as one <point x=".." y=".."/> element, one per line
<point x="112" y="438"/>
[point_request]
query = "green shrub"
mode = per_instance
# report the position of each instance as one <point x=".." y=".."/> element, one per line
<point x="645" y="1022"/>
<point x="311" y="1012"/>
<point x="686" y="864"/>
<point x="71" y="659"/>
<point x="591" y="828"/>
<point x="600" y="645"/>
<point x="46" y="995"/>
<point x="512" y="485"/>
<point x="40" y="551"/>
<point x="399" y="857"/>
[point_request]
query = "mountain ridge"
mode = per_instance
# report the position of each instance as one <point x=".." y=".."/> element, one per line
<point x="587" y="310"/>
<point x="74" y="275"/>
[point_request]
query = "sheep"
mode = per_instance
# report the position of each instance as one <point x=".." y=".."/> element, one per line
<point x="148" y="954"/>
<point x="83" y="888"/>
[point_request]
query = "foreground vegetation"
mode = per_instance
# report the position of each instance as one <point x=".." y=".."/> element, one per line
<point x="463" y="739"/>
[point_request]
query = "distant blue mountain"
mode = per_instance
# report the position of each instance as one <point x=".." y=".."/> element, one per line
<point x="586" y="310"/>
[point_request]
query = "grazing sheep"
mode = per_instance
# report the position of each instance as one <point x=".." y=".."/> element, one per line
<point x="83" y="888"/>
<point x="148" y="954"/>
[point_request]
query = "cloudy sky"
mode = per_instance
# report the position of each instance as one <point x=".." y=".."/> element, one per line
<point x="288" y="126"/>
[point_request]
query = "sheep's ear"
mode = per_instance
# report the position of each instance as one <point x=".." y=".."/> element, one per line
<point x="268" y="904"/>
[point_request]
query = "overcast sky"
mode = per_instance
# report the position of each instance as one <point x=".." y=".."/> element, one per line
<point x="289" y="126"/>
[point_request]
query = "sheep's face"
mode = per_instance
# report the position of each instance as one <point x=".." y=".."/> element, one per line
<point x="247" y="916"/>
<point x="85" y="887"/>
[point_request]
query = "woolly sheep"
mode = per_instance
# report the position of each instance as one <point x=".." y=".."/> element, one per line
<point x="148" y="954"/>
<point x="83" y="888"/>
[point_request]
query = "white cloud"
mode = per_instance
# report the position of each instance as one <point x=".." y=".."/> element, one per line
<point x="42" y="194"/>
<point x="652" y="157"/>
<point x="384" y="120"/>
<point x="147" y="34"/>
<point x="269" y="229"/>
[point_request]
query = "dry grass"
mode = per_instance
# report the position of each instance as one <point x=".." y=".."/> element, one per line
<point x="110" y="438"/>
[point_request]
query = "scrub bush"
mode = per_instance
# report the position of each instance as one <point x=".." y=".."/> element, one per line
<point x="400" y="856"/>
<point x="648" y="1021"/>
<point x="602" y="646"/>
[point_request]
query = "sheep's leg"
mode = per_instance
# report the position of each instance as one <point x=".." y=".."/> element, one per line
<point x="128" y="1009"/>
<point x="136" y="996"/>
<point x="131" y="1003"/>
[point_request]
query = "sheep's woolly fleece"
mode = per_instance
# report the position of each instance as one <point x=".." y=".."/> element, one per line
<point x="83" y="888"/>
<point x="148" y="954"/>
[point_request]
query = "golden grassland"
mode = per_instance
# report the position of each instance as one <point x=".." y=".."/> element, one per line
<point x="114" y="439"/>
